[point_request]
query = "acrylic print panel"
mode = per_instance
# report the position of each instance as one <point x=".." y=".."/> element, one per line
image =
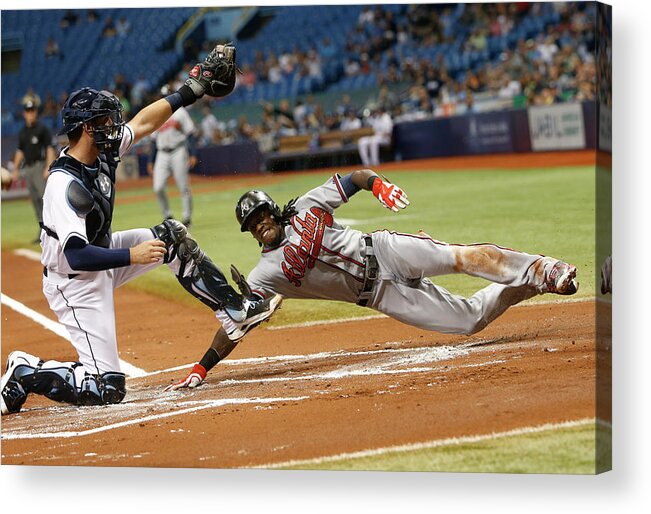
<point x="487" y="126"/>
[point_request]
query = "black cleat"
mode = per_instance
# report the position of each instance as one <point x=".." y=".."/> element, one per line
<point x="257" y="311"/>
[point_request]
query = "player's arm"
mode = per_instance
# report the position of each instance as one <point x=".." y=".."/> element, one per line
<point x="18" y="161"/>
<point x="82" y="256"/>
<point x="388" y="194"/>
<point x="215" y="76"/>
<point x="220" y="348"/>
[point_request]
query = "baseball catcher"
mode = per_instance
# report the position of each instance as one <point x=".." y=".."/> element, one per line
<point x="84" y="261"/>
<point x="306" y="253"/>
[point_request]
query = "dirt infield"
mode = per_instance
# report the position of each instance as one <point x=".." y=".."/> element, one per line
<point x="298" y="393"/>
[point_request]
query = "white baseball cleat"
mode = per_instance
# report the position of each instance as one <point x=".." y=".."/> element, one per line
<point x="257" y="311"/>
<point x="13" y="394"/>
<point x="560" y="278"/>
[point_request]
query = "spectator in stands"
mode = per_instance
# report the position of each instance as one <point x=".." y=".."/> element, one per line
<point x="346" y="106"/>
<point x="244" y="130"/>
<point x="314" y="66"/>
<point x="300" y="113"/>
<point x="366" y="16"/>
<point x="285" y="119"/>
<point x="109" y="28"/>
<point x="139" y="92"/>
<point x="209" y="126"/>
<point x="52" y="48"/>
<point x="274" y="71"/>
<point x="510" y="88"/>
<point x="350" y="121"/>
<point x="546" y="49"/>
<point x="248" y="78"/>
<point x="69" y="19"/>
<point x="326" y="49"/>
<point x="369" y="146"/>
<point x="92" y="16"/>
<point x="51" y="108"/>
<point x="352" y="68"/>
<point x="123" y="26"/>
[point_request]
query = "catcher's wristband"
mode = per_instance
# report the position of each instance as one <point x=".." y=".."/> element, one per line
<point x="182" y="98"/>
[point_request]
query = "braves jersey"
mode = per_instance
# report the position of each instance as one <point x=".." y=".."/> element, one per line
<point x="318" y="257"/>
<point x="60" y="217"/>
<point x="174" y="131"/>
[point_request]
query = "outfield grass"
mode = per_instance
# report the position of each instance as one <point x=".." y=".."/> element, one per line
<point x="549" y="211"/>
<point x="561" y="451"/>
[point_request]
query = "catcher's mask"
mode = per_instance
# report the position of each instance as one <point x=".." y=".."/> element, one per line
<point x="104" y="112"/>
<point x="250" y="203"/>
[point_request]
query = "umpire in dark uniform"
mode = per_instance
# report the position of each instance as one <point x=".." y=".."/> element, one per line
<point x="35" y="152"/>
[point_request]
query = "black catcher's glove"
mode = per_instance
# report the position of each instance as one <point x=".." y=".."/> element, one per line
<point x="216" y="75"/>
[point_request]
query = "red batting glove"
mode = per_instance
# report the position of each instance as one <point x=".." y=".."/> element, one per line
<point x="194" y="379"/>
<point x="389" y="195"/>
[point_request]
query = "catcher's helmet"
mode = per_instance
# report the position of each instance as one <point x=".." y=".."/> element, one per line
<point x="89" y="104"/>
<point x="251" y="202"/>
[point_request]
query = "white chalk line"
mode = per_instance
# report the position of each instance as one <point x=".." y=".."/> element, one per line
<point x="30" y="254"/>
<point x="205" y="405"/>
<point x="56" y="327"/>
<point x="453" y="351"/>
<point x="432" y="444"/>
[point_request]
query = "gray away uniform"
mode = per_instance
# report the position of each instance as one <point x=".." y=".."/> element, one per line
<point x="321" y="259"/>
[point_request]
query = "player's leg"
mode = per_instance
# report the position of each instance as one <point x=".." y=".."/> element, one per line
<point x="161" y="173"/>
<point x="36" y="187"/>
<point x="413" y="256"/>
<point x="180" y="167"/>
<point x="363" y="147"/>
<point x="84" y="305"/>
<point x="68" y="382"/>
<point x="425" y="305"/>
<point x="198" y="275"/>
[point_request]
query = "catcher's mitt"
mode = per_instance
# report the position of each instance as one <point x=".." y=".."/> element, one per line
<point x="216" y="75"/>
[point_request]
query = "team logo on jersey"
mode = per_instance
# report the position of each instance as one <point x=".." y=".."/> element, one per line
<point x="299" y="258"/>
<point x="104" y="184"/>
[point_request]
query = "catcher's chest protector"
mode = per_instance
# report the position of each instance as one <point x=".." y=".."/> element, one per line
<point x="92" y="194"/>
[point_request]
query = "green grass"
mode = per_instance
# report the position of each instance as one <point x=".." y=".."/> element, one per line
<point x="562" y="451"/>
<point x="549" y="211"/>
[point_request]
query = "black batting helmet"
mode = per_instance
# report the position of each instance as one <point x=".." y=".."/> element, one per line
<point x="88" y="104"/>
<point x="251" y="202"/>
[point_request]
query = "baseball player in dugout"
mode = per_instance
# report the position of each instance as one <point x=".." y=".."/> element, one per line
<point x="174" y="156"/>
<point x="307" y="254"/>
<point x="84" y="261"/>
<point x="35" y="152"/>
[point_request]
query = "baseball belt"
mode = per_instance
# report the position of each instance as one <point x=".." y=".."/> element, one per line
<point x="172" y="149"/>
<point x="58" y="277"/>
<point x="370" y="272"/>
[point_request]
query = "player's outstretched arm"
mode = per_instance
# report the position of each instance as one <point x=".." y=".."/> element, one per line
<point x="213" y="77"/>
<point x="220" y="348"/>
<point x="388" y="194"/>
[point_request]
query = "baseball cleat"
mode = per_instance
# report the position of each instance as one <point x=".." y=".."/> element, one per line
<point x="561" y="279"/>
<point x="13" y="394"/>
<point x="257" y="311"/>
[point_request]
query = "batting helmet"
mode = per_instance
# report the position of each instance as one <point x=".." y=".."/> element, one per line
<point x="89" y="104"/>
<point x="251" y="202"/>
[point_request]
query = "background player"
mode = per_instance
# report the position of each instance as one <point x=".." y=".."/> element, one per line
<point x="36" y="151"/>
<point x="173" y="141"/>
<point x="84" y="261"/>
<point x="307" y="254"/>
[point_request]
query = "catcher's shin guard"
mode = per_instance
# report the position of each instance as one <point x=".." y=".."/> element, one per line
<point x="207" y="283"/>
<point x="107" y="388"/>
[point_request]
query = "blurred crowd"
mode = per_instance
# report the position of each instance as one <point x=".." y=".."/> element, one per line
<point x="555" y="66"/>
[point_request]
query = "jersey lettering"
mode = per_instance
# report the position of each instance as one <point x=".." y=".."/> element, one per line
<point x="298" y="259"/>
